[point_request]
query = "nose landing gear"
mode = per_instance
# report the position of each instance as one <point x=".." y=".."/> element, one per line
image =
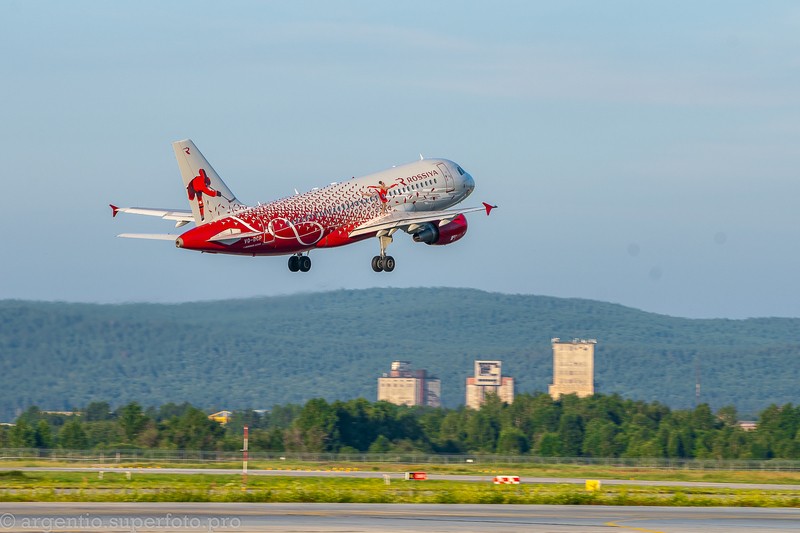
<point x="299" y="262"/>
<point x="383" y="262"/>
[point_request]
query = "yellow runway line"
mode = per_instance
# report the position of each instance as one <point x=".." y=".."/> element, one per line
<point x="630" y="528"/>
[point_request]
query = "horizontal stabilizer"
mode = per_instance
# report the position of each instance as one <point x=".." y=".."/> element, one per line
<point x="166" y="214"/>
<point x="151" y="236"/>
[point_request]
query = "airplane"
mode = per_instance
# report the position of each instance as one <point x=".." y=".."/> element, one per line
<point x="414" y="197"/>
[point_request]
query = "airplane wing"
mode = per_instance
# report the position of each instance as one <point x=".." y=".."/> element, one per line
<point x="405" y="220"/>
<point x="181" y="217"/>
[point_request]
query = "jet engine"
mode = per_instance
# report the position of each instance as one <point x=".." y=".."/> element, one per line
<point x="435" y="233"/>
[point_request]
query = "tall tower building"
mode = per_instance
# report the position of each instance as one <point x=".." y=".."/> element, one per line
<point x="488" y="379"/>
<point x="573" y="368"/>
<point x="403" y="386"/>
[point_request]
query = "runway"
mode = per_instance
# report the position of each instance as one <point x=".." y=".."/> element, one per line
<point x="357" y="518"/>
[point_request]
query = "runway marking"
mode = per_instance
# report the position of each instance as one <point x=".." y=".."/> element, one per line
<point x="641" y="529"/>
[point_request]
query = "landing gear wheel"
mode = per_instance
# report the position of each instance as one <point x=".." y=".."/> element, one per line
<point x="388" y="263"/>
<point x="377" y="263"/>
<point x="305" y="263"/>
<point x="294" y="263"/>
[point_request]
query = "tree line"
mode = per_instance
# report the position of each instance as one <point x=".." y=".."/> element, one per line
<point x="534" y="424"/>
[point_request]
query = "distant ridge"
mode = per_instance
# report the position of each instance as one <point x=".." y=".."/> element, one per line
<point x="264" y="351"/>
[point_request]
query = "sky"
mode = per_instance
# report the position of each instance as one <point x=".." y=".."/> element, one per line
<point x="641" y="153"/>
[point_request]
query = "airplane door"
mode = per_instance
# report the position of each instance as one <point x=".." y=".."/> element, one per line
<point x="449" y="185"/>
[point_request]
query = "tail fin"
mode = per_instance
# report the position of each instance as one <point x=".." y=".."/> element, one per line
<point x="208" y="195"/>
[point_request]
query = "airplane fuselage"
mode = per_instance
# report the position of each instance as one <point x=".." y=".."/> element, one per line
<point x="415" y="198"/>
<point x="325" y="217"/>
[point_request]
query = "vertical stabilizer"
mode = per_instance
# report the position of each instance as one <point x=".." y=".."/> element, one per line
<point x="208" y="195"/>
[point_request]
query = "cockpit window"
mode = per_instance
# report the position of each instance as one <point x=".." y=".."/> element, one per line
<point x="460" y="170"/>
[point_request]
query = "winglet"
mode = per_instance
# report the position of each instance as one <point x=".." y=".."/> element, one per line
<point x="488" y="208"/>
<point x="114" y="210"/>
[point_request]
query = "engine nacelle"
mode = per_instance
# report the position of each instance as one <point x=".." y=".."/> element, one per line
<point x="432" y="233"/>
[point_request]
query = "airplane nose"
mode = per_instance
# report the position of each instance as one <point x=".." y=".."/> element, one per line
<point x="469" y="183"/>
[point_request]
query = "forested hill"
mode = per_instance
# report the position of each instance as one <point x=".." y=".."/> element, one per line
<point x="264" y="351"/>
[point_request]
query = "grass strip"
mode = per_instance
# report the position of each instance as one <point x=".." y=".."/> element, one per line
<point x="116" y="487"/>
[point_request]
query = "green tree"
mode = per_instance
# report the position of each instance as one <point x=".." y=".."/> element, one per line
<point x="732" y="443"/>
<point x="760" y="448"/>
<point x="131" y="420"/>
<point x="678" y="445"/>
<point x="170" y="410"/>
<point x="354" y="425"/>
<point x="512" y="441"/>
<point x="275" y="440"/>
<point x="545" y="415"/>
<point x="97" y="411"/>
<point x="43" y="435"/>
<point x="481" y="431"/>
<point x="570" y="432"/>
<point x="600" y="439"/>
<point x="193" y="431"/>
<point x="550" y="445"/>
<point x="779" y="425"/>
<point x="703" y="419"/>
<point x="316" y="425"/>
<point x="32" y="415"/>
<point x="72" y="436"/>
<point x="282" y="416"/>
<point x="149" y="436"/>
<point x="452" y="433"/>
<point x="22" y="435"/>
<point x="430" y="424"/>
<point x="103" y="433"/>
<point x="728" y="415"/>
<point x="381" y="445"/>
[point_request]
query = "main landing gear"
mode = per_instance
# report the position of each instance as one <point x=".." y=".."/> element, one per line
<point x="299" y="262"/>
<point x="383" y="262"/>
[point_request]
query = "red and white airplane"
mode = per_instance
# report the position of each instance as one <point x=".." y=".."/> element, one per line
<point x="413" y="198"/>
